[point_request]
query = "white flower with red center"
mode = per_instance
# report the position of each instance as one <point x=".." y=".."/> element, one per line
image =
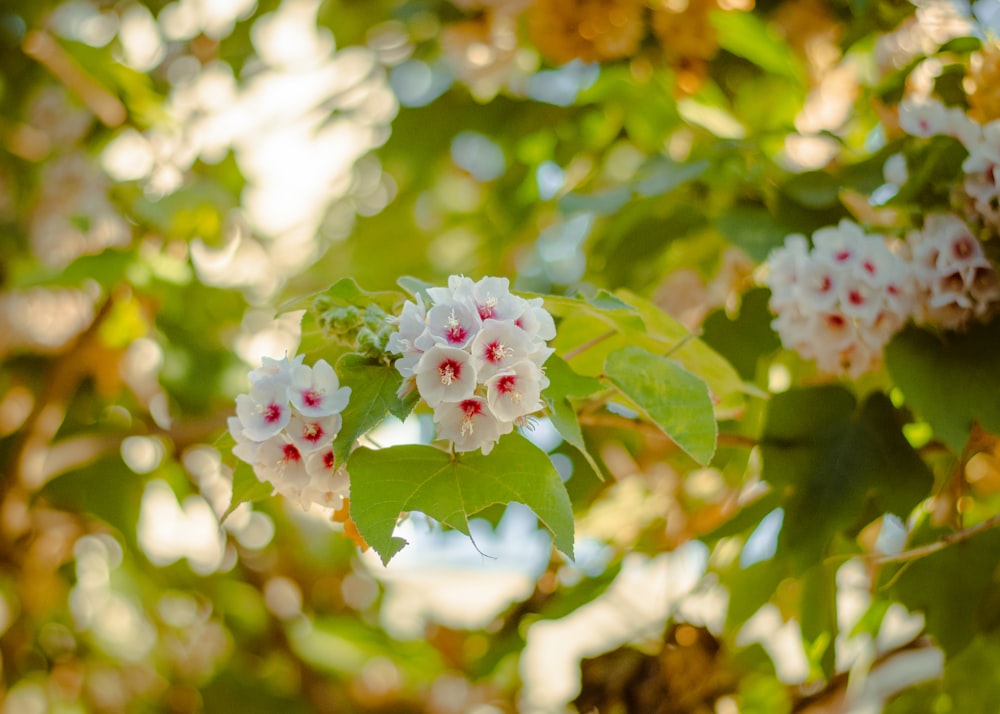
<point x="453" y="323"/>
<point x="955" y="281"/>
<point x="312" y="433"/>
<point x="516" y="392"/>
<point x="494" y="301"/>
<point x="445" y="374"/>
<point x="281" y="463"/>
<point x="841" y="302"/>
<point x="316" y="391"/>
<point x="499" y="345"/>
<point x="927" y="117"/>
<point x="264" y="412"/>
<point x="285" y="426"/>
<point x="470" y="424"/>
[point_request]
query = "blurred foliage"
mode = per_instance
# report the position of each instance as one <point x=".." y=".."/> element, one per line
<point x="186" y="186"/>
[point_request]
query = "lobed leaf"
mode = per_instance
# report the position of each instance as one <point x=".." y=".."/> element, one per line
<point x="451" y="488"/>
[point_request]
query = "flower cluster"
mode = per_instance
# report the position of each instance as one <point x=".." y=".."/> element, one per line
<point x="842" y="301"/>
<point x="285" y="427"/>
<point x="955" y="281"/>
<point x="475" y="355"/>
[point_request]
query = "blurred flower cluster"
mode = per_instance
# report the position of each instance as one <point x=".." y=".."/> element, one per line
<point x="842" y="299"/>
<point x="475" y="355"/>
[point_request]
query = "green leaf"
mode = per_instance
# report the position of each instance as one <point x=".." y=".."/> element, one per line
<point x="953" y="383"/>
<point x="748" y="337"/>
<point x="563" y="384"/>
<point x="373" y="397"/>
<point x="661" y="175"/>
<point x="961" y="45"/>
<point x="674" y="399"/>
<point x="747" y="36"/>
<point x="247" y="488"/>
<point x="692" y="353"/>
<point x="752" y="228"/>
<point x="415" y="286"/>
<point x="833" y="460"/>
<point x="955" y="588"/>
<point x="450" y="489"/>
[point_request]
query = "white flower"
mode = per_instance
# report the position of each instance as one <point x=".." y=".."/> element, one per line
<point x="475" y="357"/>
<point x="411" y="328"/>
<point x="495" y="301"/>
<point x="279" y="370"/>
<point x="841" y="302"/>
<point x="453" y="323"/>
<point x="265" y="411"/>
<point x="312" y="433"/>
<point x="499" y="345"/>
<point x="245" y="449"/>
<point x="470" y="424"/>
<point x="445" y="374"/>
<point x="316" y="391"/>
<point x="516" y="392"/>
<point x="289" y="445"/>
<point x="536" y="321"/>
<point x="956" y="282"/>
<point x="281" y="463"/>
<point x="928" y="117"/>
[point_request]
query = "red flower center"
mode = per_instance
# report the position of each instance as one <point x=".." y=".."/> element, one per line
<point x="312" y="398"/>
<point x="506" y="384"/>
<point x="291" y="453"/>
<point x="272" y="413"/>
<point x="471" y="407"/>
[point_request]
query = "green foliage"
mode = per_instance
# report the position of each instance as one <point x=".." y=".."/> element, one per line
<point x="950" y="383"/>
<point x="149" y="262"/>
<point x="451" y="488"/>
<point x="832" y="457"/>
<point x="674" y="399"/>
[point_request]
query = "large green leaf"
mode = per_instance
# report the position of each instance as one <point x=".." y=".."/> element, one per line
<point x="952" y="383"/>
<point x="373" y="397"/>
<point x="691" y="352"/>
<point x="956" y="588"/>
<point x="451" y="488"/>
<point x="833" y="460"/>
<point x="674" y="399"/>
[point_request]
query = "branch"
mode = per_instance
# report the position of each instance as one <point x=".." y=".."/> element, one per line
<point x="930" y="548"/>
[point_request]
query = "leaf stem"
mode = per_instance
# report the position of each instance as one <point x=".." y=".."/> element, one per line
<point x="588" y="344"/>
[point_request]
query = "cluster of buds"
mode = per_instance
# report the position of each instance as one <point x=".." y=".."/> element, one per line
<point x="842" y="301"/>
<point x="475" y="356"/>
<point x="284" y="428"/>
<point x="367" y="329"/>
<point x="955" y="282"/>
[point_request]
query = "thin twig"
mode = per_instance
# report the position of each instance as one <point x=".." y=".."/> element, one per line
<point x="588" y="344"/>
<point x="938" y="545"/>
